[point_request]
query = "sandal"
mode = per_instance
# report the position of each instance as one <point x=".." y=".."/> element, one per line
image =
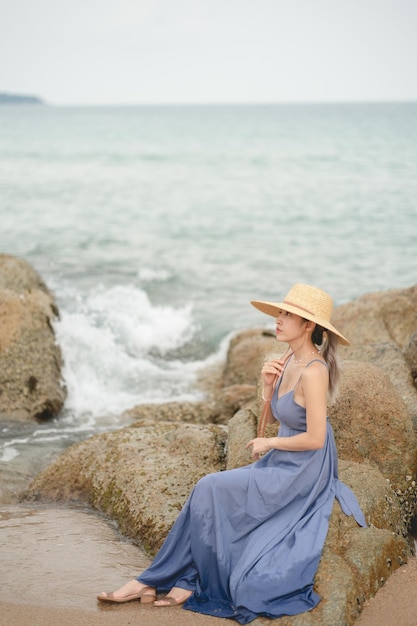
<point x="147" y="595"/>
<point x="170" y="601"/>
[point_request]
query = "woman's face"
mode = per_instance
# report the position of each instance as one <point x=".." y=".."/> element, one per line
<point x="289" y="326"/>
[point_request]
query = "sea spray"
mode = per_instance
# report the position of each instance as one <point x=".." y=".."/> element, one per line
<point x="118" y="350"/>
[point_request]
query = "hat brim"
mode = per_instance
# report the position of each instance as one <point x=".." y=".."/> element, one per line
<point x="273" y="308"/>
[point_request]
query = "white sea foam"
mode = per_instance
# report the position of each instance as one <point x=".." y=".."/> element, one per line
<point x="8" y="454"/>
<point x="9" y="450"/>
<point x="147" y="274"/>
<point x="113" y="342"/>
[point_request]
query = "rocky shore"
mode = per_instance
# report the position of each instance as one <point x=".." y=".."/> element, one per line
<point x="139" y="476"/>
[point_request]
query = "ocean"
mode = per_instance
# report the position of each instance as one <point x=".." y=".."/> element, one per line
<point x="155" y="226"/>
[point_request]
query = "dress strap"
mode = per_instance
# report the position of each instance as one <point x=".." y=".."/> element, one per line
<point x="308" y="365"/>
<point x="317" y="361"/>
<point x="278" y="382"/>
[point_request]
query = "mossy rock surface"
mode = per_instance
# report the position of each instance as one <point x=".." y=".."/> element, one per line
<point x="139" y="476"/>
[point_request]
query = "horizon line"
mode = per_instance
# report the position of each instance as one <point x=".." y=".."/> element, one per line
<point x="233" y="103"/>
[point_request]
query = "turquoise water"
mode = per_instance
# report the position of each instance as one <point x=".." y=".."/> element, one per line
<point x="155" y="227"/>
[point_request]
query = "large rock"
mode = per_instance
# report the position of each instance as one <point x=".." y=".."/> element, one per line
<point x="226" y="402"/>
<point x="381" y="328"/>
<point x="139" y="476"/>
<point x="410" y="355"/>
<point x="247" y="351"/>
<point x="30" y="360"/>
<point x="371" y="423"/>
<point x="180" y="412"/>
<point x="345" y="577"/>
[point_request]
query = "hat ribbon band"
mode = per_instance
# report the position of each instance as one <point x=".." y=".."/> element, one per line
<point x="299" y="307"/>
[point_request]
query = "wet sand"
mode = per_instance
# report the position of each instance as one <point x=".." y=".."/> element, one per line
<point x="26" y="615"/>
<point x="55" y="561"/>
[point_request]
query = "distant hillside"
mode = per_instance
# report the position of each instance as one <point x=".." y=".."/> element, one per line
<point x="12" y="98"/>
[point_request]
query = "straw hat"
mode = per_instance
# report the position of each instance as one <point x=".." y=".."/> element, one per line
<point x="309" y="302"/>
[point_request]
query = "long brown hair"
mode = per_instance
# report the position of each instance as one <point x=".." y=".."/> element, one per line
<point x="327" y="343"/>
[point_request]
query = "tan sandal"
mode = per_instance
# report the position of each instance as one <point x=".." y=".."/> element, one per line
<point x="147" y="595"/>
<point x="171" y="601"/>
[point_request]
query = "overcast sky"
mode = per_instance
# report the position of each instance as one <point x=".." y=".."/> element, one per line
<point x="209" y="51"/>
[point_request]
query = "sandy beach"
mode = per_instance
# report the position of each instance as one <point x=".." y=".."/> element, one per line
<point x="134" y="613"/>
<point x="395" y="603"/>
<point x="55" y="561"/>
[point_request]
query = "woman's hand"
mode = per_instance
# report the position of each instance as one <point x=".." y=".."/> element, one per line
<point x="272" y="370"/>
<point x="260" y="445"/>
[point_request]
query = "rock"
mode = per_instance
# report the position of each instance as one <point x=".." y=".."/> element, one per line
<point x="30" y="361"/>
<point x="371" y="423"/>
<point x="378" y="317"/>
<point x="380" y="327"/>
<point x="230" y="400"/>
<point x="246" y="353"/>
<point x="410" y="355"/>
<point x="194" y="412"/>
<point x="339" y="582"/>
<point x="19" y="276"/>
<point x="248" y="349"/>
<point x="381" y="507"/>
<point x="242" y="428"/>
<point x="219" y="410"/>
<point x="139" y="476"/>
<point x="344" y="580"/>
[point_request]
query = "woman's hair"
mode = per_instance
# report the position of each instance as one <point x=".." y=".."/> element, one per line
<point x="327" y="342"/>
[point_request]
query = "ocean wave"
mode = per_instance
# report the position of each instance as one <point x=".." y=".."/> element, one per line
<point x="114" y="343"/>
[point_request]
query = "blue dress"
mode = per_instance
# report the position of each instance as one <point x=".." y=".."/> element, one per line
<point x="248" y="541"/>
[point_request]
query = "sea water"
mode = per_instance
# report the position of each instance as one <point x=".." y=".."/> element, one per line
<point x="155" y="226"/>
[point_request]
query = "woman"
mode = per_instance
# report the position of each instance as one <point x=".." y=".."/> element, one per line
<point x="248" y="541"/>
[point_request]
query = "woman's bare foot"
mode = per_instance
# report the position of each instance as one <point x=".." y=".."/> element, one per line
<point x="176" y="596"/>
<point x="133" y="590"/>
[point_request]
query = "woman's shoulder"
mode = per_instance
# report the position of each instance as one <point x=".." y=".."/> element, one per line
<point x="316" y="370"/>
